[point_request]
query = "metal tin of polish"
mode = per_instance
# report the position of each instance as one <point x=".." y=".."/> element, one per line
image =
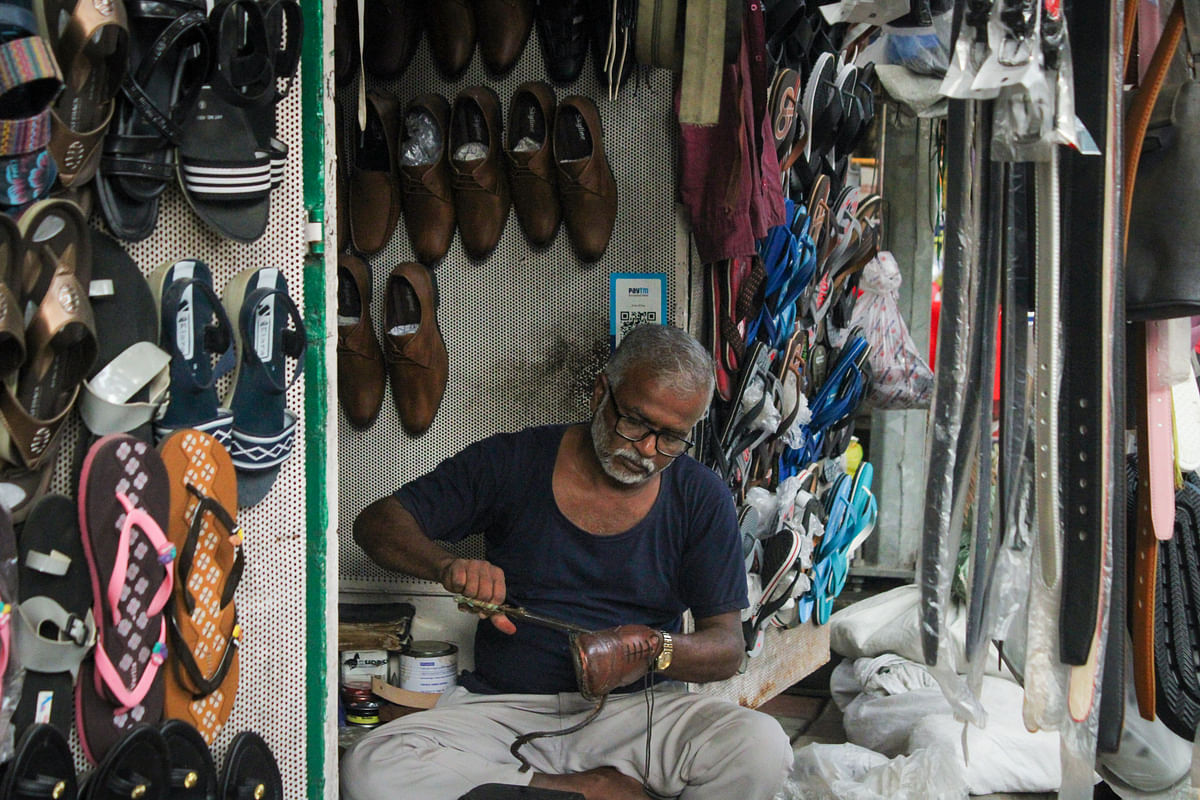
<point x="426" y="666"/>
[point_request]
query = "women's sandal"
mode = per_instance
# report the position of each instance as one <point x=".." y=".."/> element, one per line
<point x="124" y="501"/>
<point x="194" y="330"/>
<point x="202" y="674"/>
<point x="90" y="40"/>
<point x="29" y="81"/>
<point x="137" y="767"/>
<point x="169" y="60"/>
<point x="269" y="331"/>
<point x="193" y="774"/>
<point x="54" y="627"/>
<point x="42" y="766"/>
<point x="60" y="345"/>
<point x="250" y="770"/>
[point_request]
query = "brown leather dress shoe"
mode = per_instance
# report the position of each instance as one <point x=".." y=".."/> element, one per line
<point x="392" y="31"/>
<point x="374" y="189"/>
<point x="530" y="165"/>
<point x="481" y="196"/>
<point x="504" y="27"/>
<point x="413" y="346"/>
<point x="586" y="187"/>
<point x="359" y="360"/>
<point x="425" y="178"/>
<point x="451" y="28"/>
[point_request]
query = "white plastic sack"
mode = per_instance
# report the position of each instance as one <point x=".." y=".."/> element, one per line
<point x="890" y="623"/>
<point x="897" y="712"/>
<point x="849" y="772"/>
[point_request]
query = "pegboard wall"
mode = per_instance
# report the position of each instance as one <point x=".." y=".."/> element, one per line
<point x="526" y="329"/>
<point x="271" y="596"/>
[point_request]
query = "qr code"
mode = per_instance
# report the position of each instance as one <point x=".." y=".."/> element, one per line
<point x="632" y="319"/>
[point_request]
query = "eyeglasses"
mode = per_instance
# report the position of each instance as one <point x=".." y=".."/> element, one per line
<point x="633" y="429"/>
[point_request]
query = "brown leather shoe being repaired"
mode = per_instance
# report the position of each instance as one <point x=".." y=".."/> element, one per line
<point x="425" y="177"/>
<point x="614" y="657"/>
<point x="481" y="196"/>
<point x="530" y="164"/>
<point x="451" y="28"/>
<point x="413" y="347"/>
<point x="503" y="27"/>
<point x="586" y="187"/>
<point x="360" y="361"/>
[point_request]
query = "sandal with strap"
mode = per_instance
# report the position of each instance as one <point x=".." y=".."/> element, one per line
<point x="285" y="34"/>
<point x="29" y="81"/>
<point x="61" y="347"/>
<point x="269" y="330"/>
<point x="169" y="60"/>
<point x="224" y="172"/>
<point x="194" y="330"/>
<point x="202" y="680"/>
<point x="90" y="41"/>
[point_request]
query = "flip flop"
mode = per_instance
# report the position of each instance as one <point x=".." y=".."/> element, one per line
<point x="269" y="330"/>
<point x="129" y="380"/>
<point x="193" y="776"/>
<point x="130" y="561"/>
<point x="202" y="679"/>
<point x="250" y="770"/>
<point x="194" y="330"/>
<point x="137" y="767"/>
<point x="42" y="766"/>
<point x="54" y="627"/>
<point x="60" y="345"/>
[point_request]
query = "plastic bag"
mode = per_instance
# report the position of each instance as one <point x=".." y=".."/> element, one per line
<point x="901" y="378"/>
<point x="923" y="51"/>
<point x="849" y="772"/>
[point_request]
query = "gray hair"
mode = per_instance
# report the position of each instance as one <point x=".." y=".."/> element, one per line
<point x="681" y="362"/>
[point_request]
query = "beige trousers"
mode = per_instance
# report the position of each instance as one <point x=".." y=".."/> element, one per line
<point x="701" y="747"/>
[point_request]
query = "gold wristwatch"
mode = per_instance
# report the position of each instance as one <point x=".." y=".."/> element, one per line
<point x="668" y="647"/>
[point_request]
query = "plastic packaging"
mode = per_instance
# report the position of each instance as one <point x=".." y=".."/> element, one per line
<point x="902" y="378"/>
<point x="848" y="772"/>
<point x="422" y="144"/>
<point x="921" y="50"/>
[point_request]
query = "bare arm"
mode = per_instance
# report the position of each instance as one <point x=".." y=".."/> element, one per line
<point x="393" y="539"/>
<point x="713" y="652"/>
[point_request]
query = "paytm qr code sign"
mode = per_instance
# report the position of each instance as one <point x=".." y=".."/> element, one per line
<point x="635" y="298"/>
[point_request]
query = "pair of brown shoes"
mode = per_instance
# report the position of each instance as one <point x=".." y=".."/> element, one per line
<point x="558" y="169"/>
<point x="553" y="168"/>
<point x="414" y="353"/>
<point x="501" y="27"/>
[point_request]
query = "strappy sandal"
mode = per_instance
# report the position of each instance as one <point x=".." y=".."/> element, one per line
<point x="91" y="43"/>
<point x="169" y="60"/>
<point x="12" y="321"/>
<point x="285" y="34"/>
<point x="60" y="344"/>
<point x="187" y="304"/>
<point x="224" y="172"/>
<point x="268" y="330"/>
<point x="29" y="82"/>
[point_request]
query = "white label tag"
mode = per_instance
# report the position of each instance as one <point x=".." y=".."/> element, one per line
<point x="184" y="325"/>
<point x="264" y="329"/>
<point x="101" y="287"/>
<point x="45" y="703"/>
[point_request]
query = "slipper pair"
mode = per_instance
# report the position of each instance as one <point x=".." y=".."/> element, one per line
<point x="256" y="331"/>
<point x="250" y="769"/>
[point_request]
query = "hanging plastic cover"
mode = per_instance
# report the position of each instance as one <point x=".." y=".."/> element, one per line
<point x="902" y="378"/>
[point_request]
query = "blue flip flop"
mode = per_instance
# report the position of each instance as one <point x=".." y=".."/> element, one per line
<point x="195" y="332"/>
<point x="269" y="330"/>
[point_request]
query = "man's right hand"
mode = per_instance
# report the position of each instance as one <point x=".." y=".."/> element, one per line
<point x="479" y="580"/>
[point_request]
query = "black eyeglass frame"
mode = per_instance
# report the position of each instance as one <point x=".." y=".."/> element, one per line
<point x="641" y="425"/>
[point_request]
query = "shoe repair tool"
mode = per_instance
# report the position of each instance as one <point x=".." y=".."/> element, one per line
<point x="516" y="612"/>
<point x="1093" y="379"/>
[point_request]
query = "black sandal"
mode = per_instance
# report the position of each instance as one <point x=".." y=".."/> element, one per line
<point x="169" y="60"/>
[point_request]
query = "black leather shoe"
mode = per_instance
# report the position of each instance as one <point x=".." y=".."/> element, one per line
<point x="562" y="28"/>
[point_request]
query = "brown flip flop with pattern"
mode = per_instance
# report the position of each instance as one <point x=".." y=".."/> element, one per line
<point x="202" y="678"/>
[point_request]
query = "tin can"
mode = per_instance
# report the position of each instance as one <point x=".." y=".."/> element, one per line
<point x="362" y="713"/>
<point x="428" y="666"/>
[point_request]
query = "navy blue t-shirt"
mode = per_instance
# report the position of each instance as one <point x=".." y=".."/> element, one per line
<point x="684" y="554"/>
